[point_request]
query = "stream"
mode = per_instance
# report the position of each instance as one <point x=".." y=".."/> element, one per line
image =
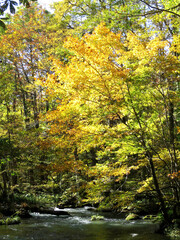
<point x="80" y="227"/>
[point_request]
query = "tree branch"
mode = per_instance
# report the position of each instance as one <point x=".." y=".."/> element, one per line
<point x="161" y="9"/>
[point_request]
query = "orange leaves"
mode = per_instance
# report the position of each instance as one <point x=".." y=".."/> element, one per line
<point x="96" y="47"/>
<point x="174" y="175"/>
<point x="25" y="36"/>
<point x="178" y="130"/>
<point x="60" y="167"/>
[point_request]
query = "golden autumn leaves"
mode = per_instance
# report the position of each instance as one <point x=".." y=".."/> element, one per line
<point x="109" y="78"/>
<point x="102" y="108"/>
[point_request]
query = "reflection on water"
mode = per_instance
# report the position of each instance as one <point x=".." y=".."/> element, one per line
<point x="80" y="227"/>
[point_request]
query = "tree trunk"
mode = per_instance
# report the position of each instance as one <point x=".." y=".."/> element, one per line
<point x="5" y="182"/>
<point x="174" y="164"/>
<point x="158" y="191"/>
<point x="35" y="109"/>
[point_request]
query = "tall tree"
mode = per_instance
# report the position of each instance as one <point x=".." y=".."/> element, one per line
<point x="119" y="93"/>
<point x="23" y="59"/>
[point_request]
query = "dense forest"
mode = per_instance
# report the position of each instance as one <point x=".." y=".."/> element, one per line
<point x="90" y="106"/>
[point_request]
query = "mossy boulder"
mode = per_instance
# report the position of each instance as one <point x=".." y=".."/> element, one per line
<point x="153" y="218"/>
<point x="10" y="221"/>
<point x="132" y="216"/>
<point x="97" y="218"/>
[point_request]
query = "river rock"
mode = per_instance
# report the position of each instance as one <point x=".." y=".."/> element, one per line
<point x="10" y="221"/>
<point x="132" y="216"/>
<point x="96" y="218"/>
<point x="90" y="208"/>
<point x="52" y="211"/>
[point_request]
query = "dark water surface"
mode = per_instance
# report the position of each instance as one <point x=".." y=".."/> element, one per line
<point x="80" y="227"/>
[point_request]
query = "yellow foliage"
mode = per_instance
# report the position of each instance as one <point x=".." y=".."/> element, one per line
<point x="111" y="79"/>
<point x="146" y="185"/>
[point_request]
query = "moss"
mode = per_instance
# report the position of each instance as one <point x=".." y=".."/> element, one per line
<point x="10" y="221"/>
<point x="154" y="218"/>
<point x="96" y="218"/>
<point x="2" y="222"/>
<point x="132" y="216"/>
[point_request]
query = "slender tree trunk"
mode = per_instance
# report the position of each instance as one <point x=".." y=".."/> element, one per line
<point x="5" y="181"/>
<point x="35" y="109"/>
<point x="93" y="156"/>
<point x="76" y="154"/>
<point x="174" y="164"/>
<point x="26" y="112"/>
<point x="150" y="159"/>
<point x="47" y="106"/>
<point x="156" y="184"/>
<point x="31" y="177"/>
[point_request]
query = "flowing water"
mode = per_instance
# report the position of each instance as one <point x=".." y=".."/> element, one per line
<point x="80" y="227"/>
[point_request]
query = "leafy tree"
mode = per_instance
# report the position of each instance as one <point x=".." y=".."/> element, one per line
<point x="23" y="49"/>
<point x="5" y="4"/>
<point x="23" y="59"/>
<point x="119" y="92"/>
<point x="98" y="117"/>
<point x="83" y="16"/>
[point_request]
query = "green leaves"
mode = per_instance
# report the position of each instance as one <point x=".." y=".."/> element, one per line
<point x="2" y="24"/>
<point x="11" y="6"/>
<point x="26" y="2"/>
<point x="6" y="4"/>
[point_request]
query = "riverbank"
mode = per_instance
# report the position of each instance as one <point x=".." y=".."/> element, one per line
<point x="125" y="217"/>
<point x="24" y="205"/>
<point x="80" y="226"/>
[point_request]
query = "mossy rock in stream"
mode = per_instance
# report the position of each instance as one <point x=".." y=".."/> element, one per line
<point x="153" y="218"/>
<point x="132" y="216"/>
<point x="97" y="218"/>
<point x="10" y="221"/>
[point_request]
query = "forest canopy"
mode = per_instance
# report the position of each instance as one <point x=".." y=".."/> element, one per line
<point x="90" y="100"/>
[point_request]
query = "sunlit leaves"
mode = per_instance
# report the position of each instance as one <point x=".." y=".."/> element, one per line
<point x="114" y="97"/>
<point x="2" y="24"/>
